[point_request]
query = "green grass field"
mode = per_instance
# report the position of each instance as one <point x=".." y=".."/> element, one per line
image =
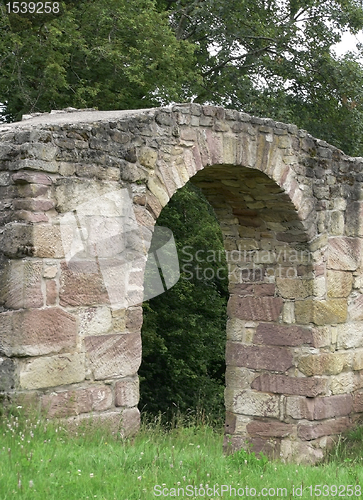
<point x="40" y="460"/>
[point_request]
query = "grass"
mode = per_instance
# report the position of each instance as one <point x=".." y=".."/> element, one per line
<point x="41" y="460"/>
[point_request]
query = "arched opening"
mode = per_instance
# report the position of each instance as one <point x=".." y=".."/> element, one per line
<point x="183" y="333"/>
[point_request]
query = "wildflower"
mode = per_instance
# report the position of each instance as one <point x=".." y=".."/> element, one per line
<point x="139" y="478"/>
<point x="31" y="484"/>
<point x="91" y="475"/>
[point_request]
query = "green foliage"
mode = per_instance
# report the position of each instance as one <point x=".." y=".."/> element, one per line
<point x="183" y="333"/>
<point x="109" y="54"/>
<point x="44" y="460"/>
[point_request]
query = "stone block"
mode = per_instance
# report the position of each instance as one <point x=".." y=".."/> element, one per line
<point x="323" y="364"/>
<point x="51" y="290"/>
<point x="27" y="177"/>
<point x="321" y="312"/>
<point x="282" y="335"/>
<point x="134" y="319"/>
<point x="349" y="335"/>
<point x="355" y="309"/>
<point x="252" y="403"/>
<point x="321" y="336"/>
<point x="22" y="283"/>
<point x="354" y="219"/>
<point x="147" y="157"/>
<point x="47" y="241"/>
<point x="290" y="288"/>
<point x="260" y="358"/>
<point x="333" y="406"/>
<point x="299" y="407"/>
<point x="95" y="321"/>
<point x="358" y="360"/>
<point x="7" y="374"/>
<point x="300" y="452"/>
<point x="239" y="377"/>
<point x="342" y="383"/>
<point x="327" y="428"/>
<point x="281" y="384"/>
<point x="16" y="240"/>
<point x="37" y="332"/>
<point x="113" y="355"/>
<point x="344" y="254"/>
<point x="81" y="285"/>
<point x="339" y="283"/>
<point x="270" y="429"/>
<point x="255" y="308"/>
<point x="127" y="392"/>
<point x="67" y="403"/>
<point x="357" y="401"/>
<point x="43" y="372"/>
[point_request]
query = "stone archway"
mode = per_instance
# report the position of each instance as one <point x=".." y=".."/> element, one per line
<point x="289" y="208"/>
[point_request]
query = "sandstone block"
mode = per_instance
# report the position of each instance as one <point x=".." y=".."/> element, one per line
<point x="355" y="309"/>
<point x="272" y="334"/>
<point x="113" y="355"/>
<point x="321" y="336"/>
<point x="27" y="177"/>
<point x="254" y="308"/>
<point x="323" y="364"/>
<point x="333" y="406"/>
<point x="47" y="241"/>
<point x="342" y="383"/>
<point x="350" y="335"/>
<point x="290" y="288"/>
<point x="22" y="284"/>
<point x="357" y="401"/>
<point x="81" y="284"/>
<point x="7" y="374"/>
<point x="358" y="360"/>
<point x="321" y="312"/>
<point x="328" y="428"/>
<point x="300" y="452"/>
<point x="95" y="321"/>
<point x="127" y="392"/>
<point x="270" y="429"/>
<point x="354" y="219"/>
<point x="52" y="371"/>
<point x="239" y="378"/>
<point x="37" y="332"/>
<point x="265" y="358"/>
<point x="299" y="407"/>
<point x="67" y="403"/>
<point x="147" y="157"/>
<point x="51" y="290"/>
<point x="344" y="254"/>
<point x="134" y="319"/>
<point x="252" y="403"/>
<point x="281" y="384"/>
<point x="339" y="283"/>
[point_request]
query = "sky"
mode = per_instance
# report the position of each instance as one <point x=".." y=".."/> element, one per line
<point x="348" y="43"/>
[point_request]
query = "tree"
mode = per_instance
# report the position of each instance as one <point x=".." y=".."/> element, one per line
<point x="109" y="54"/>
<point x="274" y="58"/>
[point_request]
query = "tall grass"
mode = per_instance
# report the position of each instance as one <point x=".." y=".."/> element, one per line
<point x="42" y="460"/>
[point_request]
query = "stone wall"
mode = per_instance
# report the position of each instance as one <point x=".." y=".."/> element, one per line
<point x="289" y="208"/>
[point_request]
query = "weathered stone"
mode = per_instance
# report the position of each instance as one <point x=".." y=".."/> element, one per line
<point x="265" y="358"/>
<point x="342" y="383"/>
<point x="113" y="355"/>
<point x="67" y="403"/>
<point x="43" y="372"/>
<point x="127" y="392"/>
<point x="294" y="288"/>
<point x="37" y="332"/>
<point x="349" y="335"/>
<point x="299" y="407"/>
<point x="323" y="364"/>
<point x="270" y="429"/>
<point x="339" y="283"/>
<point x="253" y="403"/>
<point x="47" y="241"/>
<point x="300" y="452"/>
<point x="95" y="321"/>
<point x="344" y="254"/>
<point x="134" y="319"/>
<point x="254" y="308"/>
<point x="281" y="384"/>
<point x="321" y="312"/>
<point x="354" y="219"/>
<point x="272" y="334"/>
<point x="81" y="284"/>
<point x="357" y="401"/>
<point x="355" y="309"/>
<point x="22" y="284"/>
<point x="333" y="406"/>
<point x="316" y="430"/>
<point x="7" y="374"/>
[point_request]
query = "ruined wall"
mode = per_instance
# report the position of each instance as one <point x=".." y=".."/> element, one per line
<point x="289" y="207"/>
